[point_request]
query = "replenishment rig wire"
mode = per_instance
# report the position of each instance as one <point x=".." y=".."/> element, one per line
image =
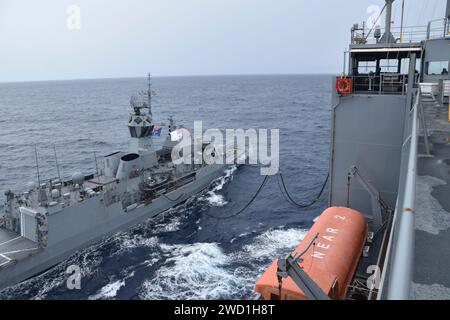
<point x="284" y="192"/>
<point x="295" y="203"/>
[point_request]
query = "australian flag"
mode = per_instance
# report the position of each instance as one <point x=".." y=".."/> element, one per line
<point x="157" y="131"/>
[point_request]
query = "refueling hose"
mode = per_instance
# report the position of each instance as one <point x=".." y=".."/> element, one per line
<point x="285" y="194"/>
<point x="293" y="202"/>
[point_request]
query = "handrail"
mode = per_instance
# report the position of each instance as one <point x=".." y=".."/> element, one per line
<point x="398" y="267"/>
<point x="435" y="29"/>
<point x="384" y="83"/>
<point x="438" y="32"/>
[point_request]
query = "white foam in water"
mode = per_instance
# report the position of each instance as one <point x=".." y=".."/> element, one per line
<point x="214" y="199"/>
<point x="130" y="241"/>
<point x="109" y="291"/>
<point x="172" y="226"/>
<point x="228" y="176"/>
<point x="262" y="252"/>
<point x="88" y="261"/>
<point x="204" y="271"/>
<point x="271" y="243"/>
<point x="194" y="271"/>
<point x="150" y="262"/>
<point x="240" y="236"/>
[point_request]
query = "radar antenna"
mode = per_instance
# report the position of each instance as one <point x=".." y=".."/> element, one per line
<point x="143" y="100"/>
<point x="139" y="102"/>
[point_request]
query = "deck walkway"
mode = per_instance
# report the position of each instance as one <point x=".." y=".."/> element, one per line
<point x="431" y="279"/>
<point x="13" y="247"/>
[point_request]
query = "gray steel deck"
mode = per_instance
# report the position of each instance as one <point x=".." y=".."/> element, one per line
<point x="13" y="247"/>
<point x="431" y="279"/>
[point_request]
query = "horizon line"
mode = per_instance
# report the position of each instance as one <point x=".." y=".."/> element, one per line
<point x="165" y="76"/>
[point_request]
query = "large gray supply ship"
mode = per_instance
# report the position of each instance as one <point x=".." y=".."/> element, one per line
<point x="384" y="235"/>
<point x="52" y="220"/>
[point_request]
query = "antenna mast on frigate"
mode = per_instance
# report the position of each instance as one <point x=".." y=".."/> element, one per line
<point x="149" y="95"/>
<point x="37" y="165"/>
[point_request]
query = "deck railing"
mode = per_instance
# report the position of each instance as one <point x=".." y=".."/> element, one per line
<point x="398" y="266"/>
<point x="382" y="84"/>
<point x="439" y="28"/>
<point x="435" y="29"/>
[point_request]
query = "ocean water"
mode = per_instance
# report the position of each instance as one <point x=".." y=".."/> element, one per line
<point x="183" y="254"/>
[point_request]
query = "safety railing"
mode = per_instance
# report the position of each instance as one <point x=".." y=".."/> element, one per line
<point x="439" y="28"/>
<point x="435" y="29"/>
<point x="382" y="84"/>
<point x="398" y="266"/>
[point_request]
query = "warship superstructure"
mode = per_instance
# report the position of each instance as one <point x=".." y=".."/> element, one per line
<point x="384" y="234"/>
<point x="53" y="219"/>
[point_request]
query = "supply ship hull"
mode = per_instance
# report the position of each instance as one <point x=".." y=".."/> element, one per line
<point x="390" y="122"/>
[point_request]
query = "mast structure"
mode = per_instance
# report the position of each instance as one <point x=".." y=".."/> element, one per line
<point x="149" y="95"/>
<point x="57" y="165"/>
<point x="401" y="23"/>
<point x="448" y="10"/>
<point x="388" y="37"/>
<point x="37" y="166"/>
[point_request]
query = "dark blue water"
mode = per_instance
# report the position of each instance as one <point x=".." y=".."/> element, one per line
<point x="184" y="254"/>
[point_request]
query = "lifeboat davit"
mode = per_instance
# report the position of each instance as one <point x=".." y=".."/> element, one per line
<point x="330" y="262"/>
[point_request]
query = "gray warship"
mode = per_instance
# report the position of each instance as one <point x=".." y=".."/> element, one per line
<point x="54" y="219"/>
<point x="385" y="234"/>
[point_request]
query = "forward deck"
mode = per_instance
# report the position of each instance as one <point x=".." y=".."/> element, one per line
<point x="13" y="248"/>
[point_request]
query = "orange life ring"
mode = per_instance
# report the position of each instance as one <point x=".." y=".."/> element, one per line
<point x="344" y="85"/>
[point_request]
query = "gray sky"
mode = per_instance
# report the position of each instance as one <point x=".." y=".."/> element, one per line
<point x="126" y="38"/>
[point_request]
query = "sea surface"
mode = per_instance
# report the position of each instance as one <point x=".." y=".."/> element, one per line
<point x="183" y="254"/>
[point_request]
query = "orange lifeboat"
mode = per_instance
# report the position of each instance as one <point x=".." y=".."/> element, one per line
<point x="330" y="262"/>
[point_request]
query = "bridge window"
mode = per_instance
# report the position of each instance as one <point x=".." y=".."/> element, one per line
<point x="365" y="67"/>
<point x="437" y="68"/>
<point x="389" y="65"/>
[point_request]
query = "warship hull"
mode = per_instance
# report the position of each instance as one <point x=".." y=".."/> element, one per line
<point x="21" y="260"/>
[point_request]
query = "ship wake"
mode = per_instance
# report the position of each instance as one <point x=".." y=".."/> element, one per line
<point x="206" y="271"/>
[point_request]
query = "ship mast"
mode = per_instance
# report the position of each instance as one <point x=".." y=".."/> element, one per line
<point x="388" y="37"/>
<point x="448" y="9"/>
<point x="149" y="95"/>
